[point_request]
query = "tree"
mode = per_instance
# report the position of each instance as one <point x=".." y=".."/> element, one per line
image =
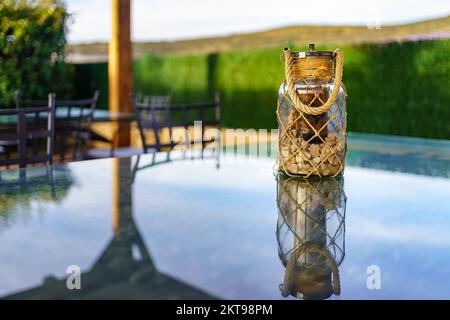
<point x="32" y="43"/>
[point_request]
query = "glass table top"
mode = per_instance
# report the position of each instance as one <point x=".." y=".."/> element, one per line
<point x="230" y="228"/>
<point x="62" y="113"/>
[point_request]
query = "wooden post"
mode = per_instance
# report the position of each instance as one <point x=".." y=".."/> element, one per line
<point x="120" y="66"/>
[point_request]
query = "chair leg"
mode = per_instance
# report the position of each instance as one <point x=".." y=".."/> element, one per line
<point x="51" y="179"/>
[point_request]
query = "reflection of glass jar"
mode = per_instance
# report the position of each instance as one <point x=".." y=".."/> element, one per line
<point x="311" y="235"/>
<point x="311" y="114"/>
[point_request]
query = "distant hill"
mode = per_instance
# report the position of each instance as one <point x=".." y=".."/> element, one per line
<point x="435" y="28"/>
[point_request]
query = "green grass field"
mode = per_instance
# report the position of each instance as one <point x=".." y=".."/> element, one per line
<point x="395" y="88"/>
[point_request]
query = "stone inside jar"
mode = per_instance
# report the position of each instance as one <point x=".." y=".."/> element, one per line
<point x="313" y="97"/>
<point x="307" y="147"/>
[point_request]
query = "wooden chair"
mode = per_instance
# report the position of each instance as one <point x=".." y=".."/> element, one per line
<point x="174" y="116"/>
<point x="155" y="159"/>
<point x="74" y="118"/>
<point x="28" y="133"/>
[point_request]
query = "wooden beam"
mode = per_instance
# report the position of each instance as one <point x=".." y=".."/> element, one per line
<point x="120" y="66"/>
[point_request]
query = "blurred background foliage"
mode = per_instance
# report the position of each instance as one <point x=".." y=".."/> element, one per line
<point x="393" y="88"/>
<point x="32" y="44"/>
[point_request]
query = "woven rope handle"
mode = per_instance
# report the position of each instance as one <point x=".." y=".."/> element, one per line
<point x="298" y="104"/>
<point x="312" y="249"/>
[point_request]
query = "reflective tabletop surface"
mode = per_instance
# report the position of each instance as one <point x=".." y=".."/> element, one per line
<point x="62" y="113"/>
<point x="230" y="228"/>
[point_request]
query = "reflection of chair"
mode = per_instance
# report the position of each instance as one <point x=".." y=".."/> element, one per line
<point x="73" y="123"/>
<point x="10" y="183"/>
<point x="311" y="235"/>
<point x="168" y="157"/>
<point x="38" y="184"/>
<point x="29" y="133"/>
<point x="155" y="119"/>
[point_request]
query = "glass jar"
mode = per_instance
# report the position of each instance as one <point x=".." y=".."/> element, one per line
<point x="311" y="234"/>
<point x="311" y="114"/>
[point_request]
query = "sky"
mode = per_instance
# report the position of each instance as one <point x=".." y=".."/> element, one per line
<point x="155" y="20"/>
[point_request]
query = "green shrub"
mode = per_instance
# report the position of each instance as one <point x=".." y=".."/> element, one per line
<point x="32" y="41"/>
<point x="86" y="78"/>
<point x="185" y="77"/>
<point x="399" y="88"/>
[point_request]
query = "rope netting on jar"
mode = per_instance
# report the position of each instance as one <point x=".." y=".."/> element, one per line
<point x="311" y="234"/>
<point x="312" y="138"/>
